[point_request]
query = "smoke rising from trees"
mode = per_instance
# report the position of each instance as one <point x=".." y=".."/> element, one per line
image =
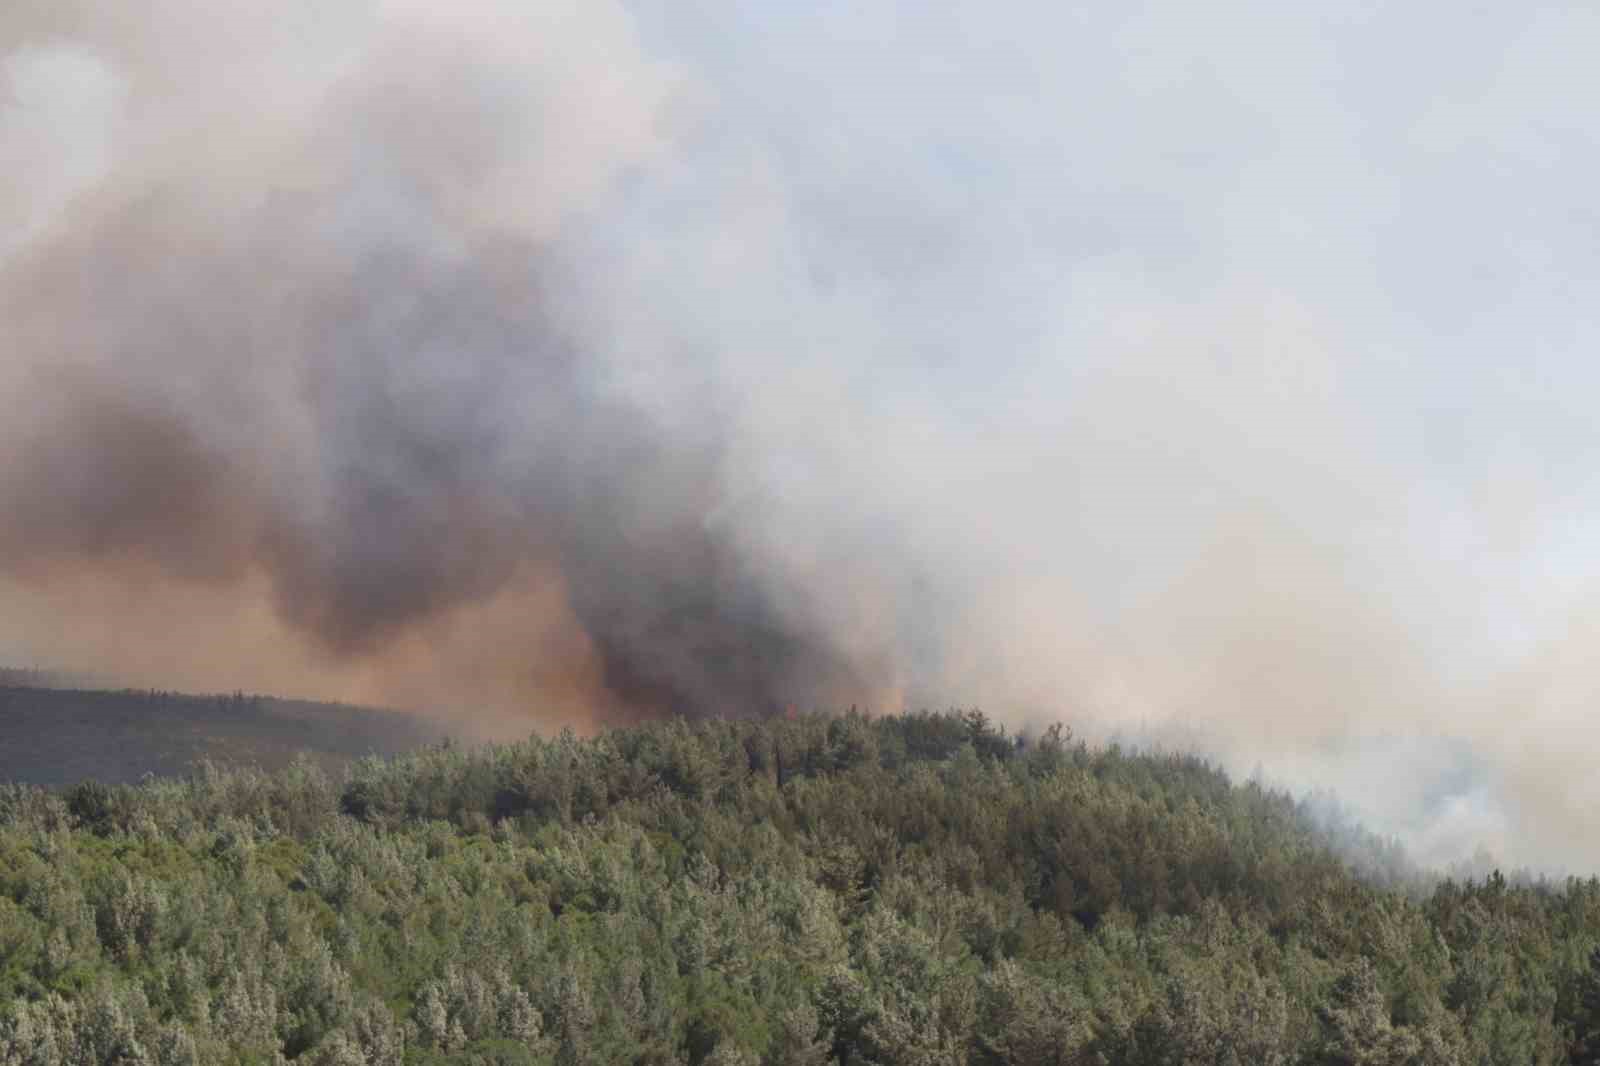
<point x="575" y="362"/>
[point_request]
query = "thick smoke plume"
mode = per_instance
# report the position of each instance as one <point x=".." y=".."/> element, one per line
<point x="1197" y="376"/>
<point x="306" y="330"/>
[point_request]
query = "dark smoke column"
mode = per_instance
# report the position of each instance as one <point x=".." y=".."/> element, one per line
<point x="312" y="339"/>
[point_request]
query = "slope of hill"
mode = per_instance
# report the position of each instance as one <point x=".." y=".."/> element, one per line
<point x="56" y="736"/>
<point x="910" y="890"/>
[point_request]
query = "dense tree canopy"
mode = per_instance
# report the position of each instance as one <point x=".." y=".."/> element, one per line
<point x="921" y="889"/>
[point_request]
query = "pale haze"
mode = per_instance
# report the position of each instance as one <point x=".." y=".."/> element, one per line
<point x="1214" y="375"/>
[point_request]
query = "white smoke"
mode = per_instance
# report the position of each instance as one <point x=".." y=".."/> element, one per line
<point x="1220" y="374"/>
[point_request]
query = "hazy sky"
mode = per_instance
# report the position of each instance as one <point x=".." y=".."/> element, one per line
<point x="1214" y="372"/>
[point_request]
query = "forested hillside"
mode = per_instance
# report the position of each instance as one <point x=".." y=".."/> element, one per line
<point x="54" y="735"/>
<point x="909" y="890"/>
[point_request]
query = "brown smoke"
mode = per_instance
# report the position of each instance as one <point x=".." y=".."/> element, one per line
<point x="297" y="405"/>
<point x="570" y="361"/>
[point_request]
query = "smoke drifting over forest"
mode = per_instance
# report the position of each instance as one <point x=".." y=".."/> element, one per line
<point x="569" y="362"/>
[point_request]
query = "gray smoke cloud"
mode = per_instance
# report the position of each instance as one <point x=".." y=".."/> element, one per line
<point x="1211" y="377"/>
